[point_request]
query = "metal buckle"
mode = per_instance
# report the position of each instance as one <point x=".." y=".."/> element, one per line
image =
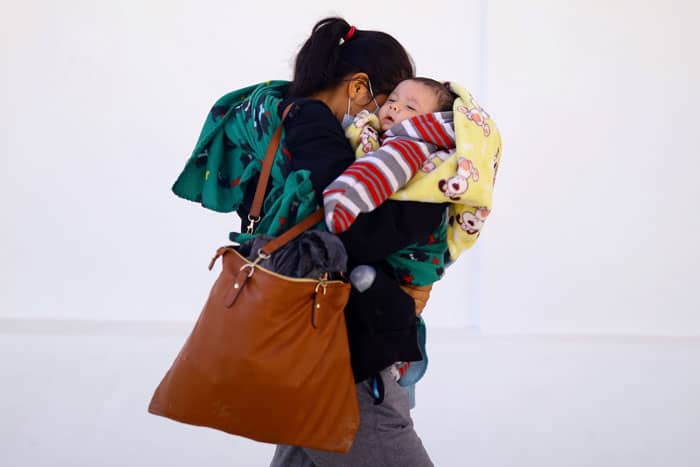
<point x="261" y="256"/>
<point x="251" y="223"/>
<point x="322" y="282"/>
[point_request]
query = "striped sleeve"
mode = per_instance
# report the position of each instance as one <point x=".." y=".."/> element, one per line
<point x="372" y="179"/>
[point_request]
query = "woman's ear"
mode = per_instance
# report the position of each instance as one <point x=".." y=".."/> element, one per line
<point x="358" y="89"/>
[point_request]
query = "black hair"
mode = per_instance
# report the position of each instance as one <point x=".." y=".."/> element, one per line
<point x="325" y="60"/>
<point x="445" y="97"/>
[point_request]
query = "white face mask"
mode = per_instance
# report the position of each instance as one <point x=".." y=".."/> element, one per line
<point x="347" y="118"/>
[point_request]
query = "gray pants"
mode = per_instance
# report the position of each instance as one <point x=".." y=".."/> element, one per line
<point x="386" y="437"/>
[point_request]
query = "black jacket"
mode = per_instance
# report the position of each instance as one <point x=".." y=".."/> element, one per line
<point x="381" y="321"/>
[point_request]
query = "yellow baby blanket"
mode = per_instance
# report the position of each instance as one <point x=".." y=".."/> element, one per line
<point x="464" y="176"/>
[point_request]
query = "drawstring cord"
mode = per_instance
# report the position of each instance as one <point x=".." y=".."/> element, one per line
<point x="377" y="388"/>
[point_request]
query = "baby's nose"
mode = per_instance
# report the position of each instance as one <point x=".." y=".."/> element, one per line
<point x="394" y="106"/>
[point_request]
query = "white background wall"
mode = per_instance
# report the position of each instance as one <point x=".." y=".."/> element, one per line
<point x="596" y="226"/>
<point x="594" y="229"/>
<point x="103" y="104"/>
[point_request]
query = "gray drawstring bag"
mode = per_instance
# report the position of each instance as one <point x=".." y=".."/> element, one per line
<point x="311" y="254"/>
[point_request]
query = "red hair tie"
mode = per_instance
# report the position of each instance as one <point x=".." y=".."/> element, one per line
<point x="348" y="35"/>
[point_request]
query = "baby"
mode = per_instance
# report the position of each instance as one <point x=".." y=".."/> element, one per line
<point x="417" y="122"/>
<point x="418" y="161"/>
<point x="413" y="97"/>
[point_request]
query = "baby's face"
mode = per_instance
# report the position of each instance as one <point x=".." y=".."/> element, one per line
<point x="408" y="99"/>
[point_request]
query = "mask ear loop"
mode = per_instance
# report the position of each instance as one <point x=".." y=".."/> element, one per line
<point x="371" y="93"/>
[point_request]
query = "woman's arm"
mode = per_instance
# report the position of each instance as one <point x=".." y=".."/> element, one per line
<point x="317" y="143"/>
<point x="392" y="226"/>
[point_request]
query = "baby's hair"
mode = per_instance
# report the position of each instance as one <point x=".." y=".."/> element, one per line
<point x="445" y="97"/>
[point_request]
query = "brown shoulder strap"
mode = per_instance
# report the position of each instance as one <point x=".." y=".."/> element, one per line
<point x="293" y="232"/>
<point x="256" y="207"/>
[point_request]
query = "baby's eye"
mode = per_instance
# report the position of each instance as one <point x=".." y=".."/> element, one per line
<point x="412" y="109"/>
<point x="391" y="100"/>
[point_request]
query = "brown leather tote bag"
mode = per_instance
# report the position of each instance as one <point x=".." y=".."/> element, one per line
<point x="268" y="358"/>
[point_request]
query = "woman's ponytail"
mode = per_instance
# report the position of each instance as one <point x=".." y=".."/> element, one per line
<point x="336" y="49"/>
<point x="318" y="57"/>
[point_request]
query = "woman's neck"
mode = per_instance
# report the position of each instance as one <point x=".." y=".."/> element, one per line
<point x="334" y="100"/>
